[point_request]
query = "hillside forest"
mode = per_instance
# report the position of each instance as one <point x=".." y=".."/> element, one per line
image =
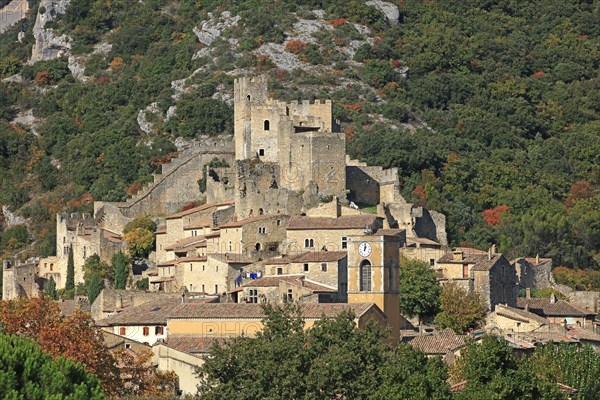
<point x="489" y="108"/>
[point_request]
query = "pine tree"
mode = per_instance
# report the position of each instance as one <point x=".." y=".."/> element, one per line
<point x="50" y="289"/>
<point x="70" y="284"/>
<point x="120" y="266"/>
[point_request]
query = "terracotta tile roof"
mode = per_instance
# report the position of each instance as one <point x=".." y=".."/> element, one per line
<point x="422" y="241"/>
<point x="151" y="313"/>
<point x="111" y="236"/>
<point x="242" y="222"/>
<point x="255" y="311"/>
<point x="583" y="334"/>
<point x="205" y="223"/>
<point x="481" y="262"/>
<point x="200" y="208"/>
<point x="232" y="258"/>
<point x="299" y="280"/>
<point x="192" y="344"/>
<point x="161" y="230"/>
<point x="319" y="256"/>
<point x="519" y="314"/>
<point x="180" y="260"/>
<point x="180" y="244"/>
<point x="545" y="307"/>
<point x="389" y="232"/>
<point x="536" y="262"/>
<point x="548" y="337"/>
<point x="438" y="343"/>
<point x="343" y="222"/>
<point x="68" y="307"/>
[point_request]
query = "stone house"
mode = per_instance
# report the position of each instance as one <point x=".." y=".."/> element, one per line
<point x="20" y="279"/>
<point x="329" y="268"/>
<point x="213" y="273"/>
<point x="487" y="273"/>
<point x="507" y="320"/>
<point x="533" y="272"/>
<point x="307" y="234"/>
<point x="286" y="288"/>
<point x="558" y="311"/>
<point x="195" y="222"/>
<point x="254" y="235"/>
<point x="422" y="249"/>
<point x="445" y="344"/>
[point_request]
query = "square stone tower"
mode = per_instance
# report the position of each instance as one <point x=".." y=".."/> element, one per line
<point x="373" y="274"/>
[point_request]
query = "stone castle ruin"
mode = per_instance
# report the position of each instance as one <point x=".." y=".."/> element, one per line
<point x="285" y="158"/>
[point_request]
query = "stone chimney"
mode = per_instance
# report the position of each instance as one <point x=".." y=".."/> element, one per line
<point x="528" y="293"/>
<point x="458" y="255"/>
<point x="552" y="298"/>
<point x="493" y="249"/>
<point x="537" y="259"/>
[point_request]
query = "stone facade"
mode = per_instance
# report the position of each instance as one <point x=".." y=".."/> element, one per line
<point x="20" y="280"/>
<point x="534" y="273"/>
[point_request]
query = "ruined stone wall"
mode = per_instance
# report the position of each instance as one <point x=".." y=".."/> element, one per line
<point x="19" y="280"/>
<point x="363" y="186"/>
<point x="220" y="184"/>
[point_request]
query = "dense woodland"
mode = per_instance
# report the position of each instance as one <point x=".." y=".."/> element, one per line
<point x="501" y="99"/>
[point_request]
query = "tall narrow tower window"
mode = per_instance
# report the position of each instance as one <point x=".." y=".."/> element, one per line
<point x="365" y="276"/>
<point x="267" y="125"/>
<point x="248" y="97"/>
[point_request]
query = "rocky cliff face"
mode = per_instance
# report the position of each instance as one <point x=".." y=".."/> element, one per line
<point x="47" y="44"/>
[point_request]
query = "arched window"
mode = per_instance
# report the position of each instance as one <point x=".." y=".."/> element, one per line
<point x="365" y="275"/>
<point x="257" y="246"/>
<point x="248" y="97"/>
<point x="267" y="125"/>
<point x="261" y="211"/>
<point x="309" y="243"/>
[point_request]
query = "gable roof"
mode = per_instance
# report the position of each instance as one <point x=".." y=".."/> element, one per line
<point x="255" y="311"/>
<point x="519" y="314"/>
<point x="185" y="242"/>
<point x="242" y="222"/>
<point x="546" y="307"/>
<point x="299" y="280"/>
<point x="438" y="343"/>
<point x="192" y="344"/>
<point x="481" y="262"/>
<point x="200" y="208"/>
<point x="343" y="222"/>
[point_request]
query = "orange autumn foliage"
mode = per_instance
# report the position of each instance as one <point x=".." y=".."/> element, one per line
<point x="579" y="190"/>
<point x="296" y="46"/>
<point x="74" y="338"/>
<point x="140" y="377"/>
<point x="495" y="215"/>
<point x="337" y="22"/>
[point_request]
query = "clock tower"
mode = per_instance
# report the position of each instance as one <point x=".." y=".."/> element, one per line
<point x="373" y="272"/>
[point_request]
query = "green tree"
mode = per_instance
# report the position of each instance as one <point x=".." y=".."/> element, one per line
<point x="140" y="222"/>
<point x="419" y="288"/>
<point x="94" y="266"/>
<point x="50" y="289"/>
<point x="410" y="374"/>
<point x="493" y="371"/>
<point x="460" y="310"/>
<point x="120" y="265"/>
<point x="94" y="287"/>
<point x="334" y="359"/>
<point x="28" y="373"/>
<point x="70" y="281"/>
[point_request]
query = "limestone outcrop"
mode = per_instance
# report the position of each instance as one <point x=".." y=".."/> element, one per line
<point x="48" y="45"/>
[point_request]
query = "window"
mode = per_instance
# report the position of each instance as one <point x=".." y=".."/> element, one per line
<point x="159" y="330"/>
<point x="324" y="267"/>
<point x="217" y="289"/>
<point x="203" y="289"/>
<point x="128" y="346"/>
<point x="465" y="271"/>
<point x="365" y="276"/>
<point x="122" y="331"/>
<point x="51" y="267"/>
<point x="305" y="267"/>
<point x="253" y="296"/>
<point x="344" y="242"/>
<point x="290" y="295"/>
<point x="279" y="271"/>
<point x="267" y="125"/>
<point x="262" y="229"/>
<point x="146" y="331"/>
<point x="216" y="268"/>
<point x="432" y="262"/>
<point x="309" y="243"/>
<point x="230" y="248"/>
<point x="191" y="267"/>
<point x="191" y="288"/>
<point x="84" y="252"/>
<point x="203" y="267"/>
<point x="278" y="222"/>
<point x="257" y="246"/>
<point x="261" y="152"/>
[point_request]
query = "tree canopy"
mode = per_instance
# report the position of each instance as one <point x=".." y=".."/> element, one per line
<point x="419" y="288"/>
<point x="459" y="310"/>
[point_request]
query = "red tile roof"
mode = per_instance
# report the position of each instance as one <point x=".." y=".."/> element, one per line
<point x="185" y="242"/>
<point x="200" y="208"/>
<point x="242" y="222"/>
<point x="255" y="311"/>
<point x="545" y="307"/>
<point x="299" y="280"/>
<point x="439" y="343"/>
<point x="192" y="344"/>
<point x="205" y="223"/>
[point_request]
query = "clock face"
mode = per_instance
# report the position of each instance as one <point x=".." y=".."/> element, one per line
<point x="364" y="249"/>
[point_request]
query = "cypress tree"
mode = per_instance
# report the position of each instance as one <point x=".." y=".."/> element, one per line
<point x="70" y="283"/>
<point x="95" y="286"/>
<point x="50" y="289"/>
<point x="120" y="266"/>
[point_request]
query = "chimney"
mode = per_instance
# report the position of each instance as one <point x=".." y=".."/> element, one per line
<point x="537" y="259"/>
<point x="458" y="255"/>
<point x="552" y="298"/>
<point x="490" y="253"/>
<point x="528" y="293"/>
<point x="493" y="249"/>
<point x="119" y="302"/>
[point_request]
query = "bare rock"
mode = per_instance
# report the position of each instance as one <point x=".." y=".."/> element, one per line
<point x="77" y="69"/>
<point x="47" y="45"/>
<point x="12" y="219"/>
<point x="212" y="29"/>
<point x="391" y="12"/>
<point x="145" y="125"/>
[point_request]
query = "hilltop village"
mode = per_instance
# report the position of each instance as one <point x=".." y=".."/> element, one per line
<point x="285" y="216"/>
